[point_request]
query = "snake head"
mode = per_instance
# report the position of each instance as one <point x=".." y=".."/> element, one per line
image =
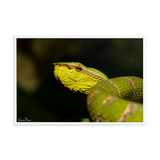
<point x="77" y="77"/>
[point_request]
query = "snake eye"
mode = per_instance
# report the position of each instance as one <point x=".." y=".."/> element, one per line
<point x="78" y="67"/>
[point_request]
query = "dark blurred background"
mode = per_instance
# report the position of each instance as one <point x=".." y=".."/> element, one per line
<point x="39" y="96"/>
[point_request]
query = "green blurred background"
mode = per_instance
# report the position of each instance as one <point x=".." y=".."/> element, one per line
<point x="39" y="96"/>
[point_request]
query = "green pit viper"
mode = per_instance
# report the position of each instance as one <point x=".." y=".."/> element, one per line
<point x="108" y="100"/>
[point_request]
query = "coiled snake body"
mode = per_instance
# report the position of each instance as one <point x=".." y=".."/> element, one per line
<point x="108" y="100"/>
